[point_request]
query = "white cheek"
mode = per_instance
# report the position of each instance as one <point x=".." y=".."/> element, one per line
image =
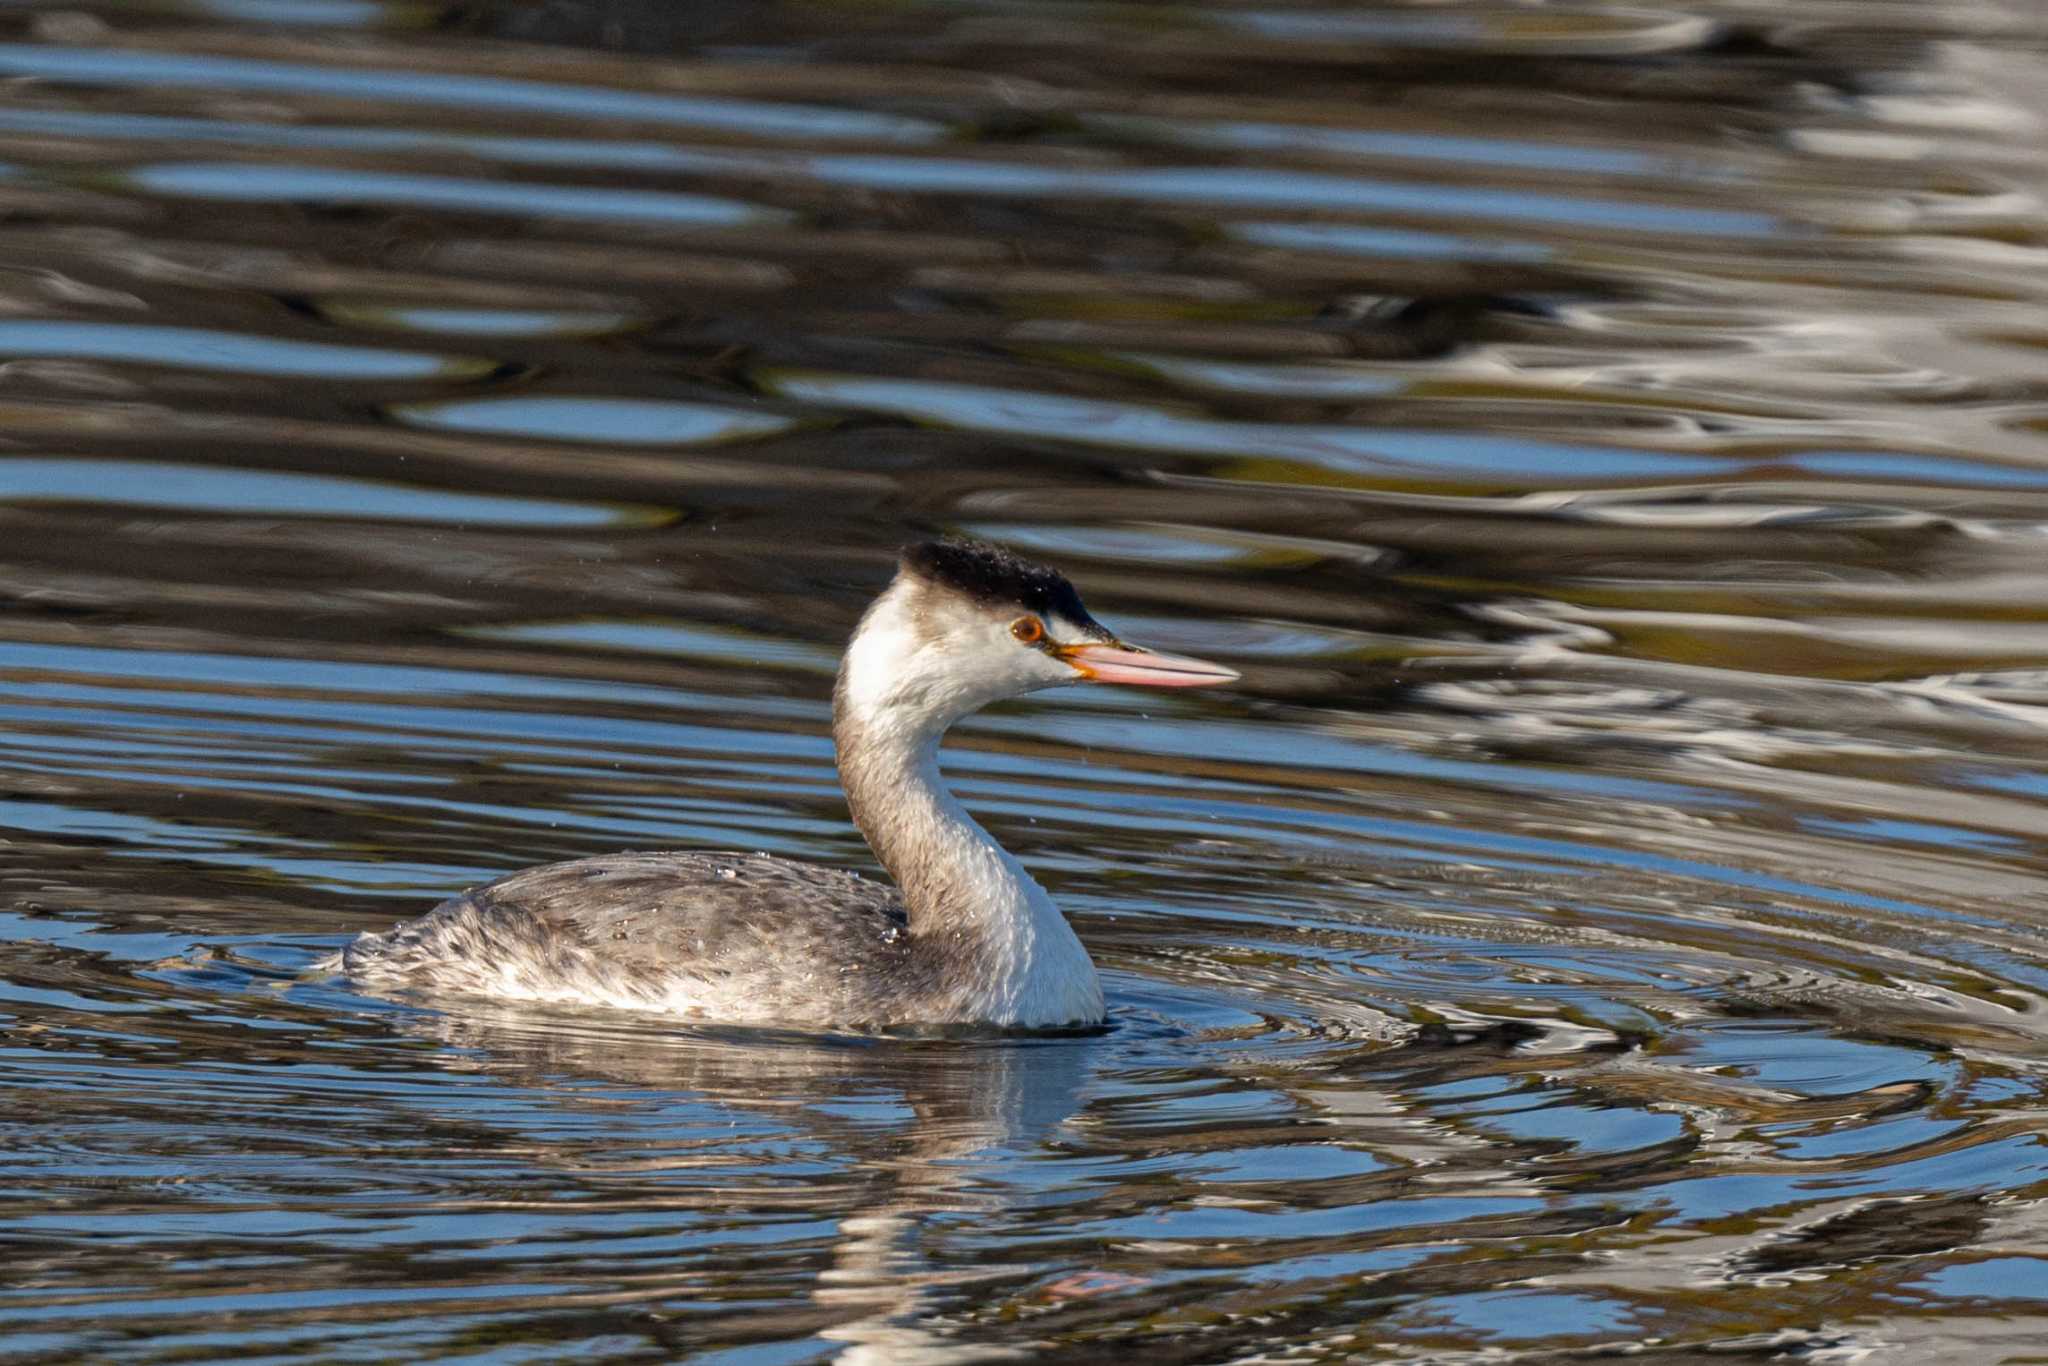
<point x="991" y="664"/>
<point x="1025" y="668"/>
<point x="1044" y="671"/>
<point x="923" y="665"/>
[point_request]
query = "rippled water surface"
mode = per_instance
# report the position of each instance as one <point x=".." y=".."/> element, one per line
<point x="1612" y="440"/>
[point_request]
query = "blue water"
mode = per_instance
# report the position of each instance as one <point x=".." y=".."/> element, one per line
<point x="1604" y="918"/>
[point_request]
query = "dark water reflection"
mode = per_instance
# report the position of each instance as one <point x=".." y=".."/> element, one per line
<point x="440" y="438"/>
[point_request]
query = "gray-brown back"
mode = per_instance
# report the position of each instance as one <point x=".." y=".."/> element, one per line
<point x="722" y="936"/>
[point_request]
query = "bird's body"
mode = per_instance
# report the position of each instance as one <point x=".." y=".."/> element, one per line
<point x="967" y="937"/>
<point x="729" y="937"/>
<point x="613" y="930"/>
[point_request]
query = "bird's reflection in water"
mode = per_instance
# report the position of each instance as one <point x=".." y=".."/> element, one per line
<point x="930" y="1129"/>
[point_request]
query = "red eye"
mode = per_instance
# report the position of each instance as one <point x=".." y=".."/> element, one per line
<point x="1030" y="630"/>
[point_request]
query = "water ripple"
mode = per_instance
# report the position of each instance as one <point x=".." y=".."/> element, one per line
<point x="1609" y="440"/>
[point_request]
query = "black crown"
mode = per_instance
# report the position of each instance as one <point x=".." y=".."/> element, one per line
<point x="996" y="577"/>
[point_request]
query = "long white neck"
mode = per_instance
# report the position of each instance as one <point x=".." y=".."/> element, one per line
<point x="965" y="893"/>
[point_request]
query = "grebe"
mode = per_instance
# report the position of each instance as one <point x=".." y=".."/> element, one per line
<point x="971" y="939"/>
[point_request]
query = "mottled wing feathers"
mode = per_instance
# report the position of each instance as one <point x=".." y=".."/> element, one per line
<point x="689" y="908"/>
<point x="721" y="936"/>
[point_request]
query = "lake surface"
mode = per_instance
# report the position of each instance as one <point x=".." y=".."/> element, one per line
<point x="1611" y="440"/>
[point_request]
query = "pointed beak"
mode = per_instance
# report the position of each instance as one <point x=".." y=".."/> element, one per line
<point x="1120" y="663"/>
